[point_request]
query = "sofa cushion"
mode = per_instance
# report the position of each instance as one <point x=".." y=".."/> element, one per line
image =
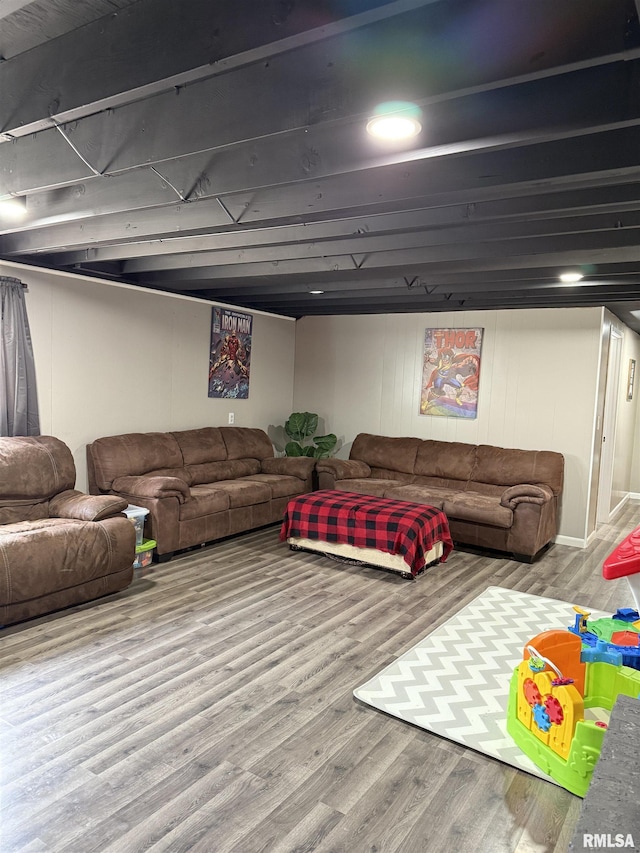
<point x="394" y="476"/>
<point x="245" y="443"/>
<point x="180" y="473"/>
<point x="290" y="466"/>
<point x="204" y="501"/>
<point x="281" y="485"/>
<point x="484" y="488"/>
<point x="211" y="472"/>
<point x="22" y="511"/>
<point x="131" y="454"/>
<point x="378" y="451"/>
<point x="430" y="495"/>
<point x="201" y="445"/>
<point x="35" y="468"/>
<point x="449" y="460"/>
<point x="244" y="492"/>
<point x="482" y="509"/>
<point x="440" y="483"/>
<point x="507" y="467"/>
<point x="363" y="486"/>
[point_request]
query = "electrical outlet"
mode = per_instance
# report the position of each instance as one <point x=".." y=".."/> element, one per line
<point x="232" y="418"/>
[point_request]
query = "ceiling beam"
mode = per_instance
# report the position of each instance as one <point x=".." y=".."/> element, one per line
<point x="591" y="160"/>
<point x="426" y="304"/>
<point x="174" y="125"/>
<point x="159" y="45"/>
<point x="617" y="200"/>
<point x="588" y="160"/>
<point x="491" y="299"/>
<point x="154" y="46"/>
<point x="467" y="179"/>
<point x="8" y="7"/>
<point x="379" y="289"/>
<point x="555" y="250"/>
<point x="367" y="244"/>
<point x="312" y="307"/>
<point x="116" y="234"/>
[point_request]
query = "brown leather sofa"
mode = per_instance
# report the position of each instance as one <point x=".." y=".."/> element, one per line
<point x="199" y="485"/>
<point x="58" y="547"/>
<point x="494" y="497"/>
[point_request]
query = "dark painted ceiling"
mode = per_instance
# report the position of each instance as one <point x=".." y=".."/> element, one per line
<point x="218" y="149"/>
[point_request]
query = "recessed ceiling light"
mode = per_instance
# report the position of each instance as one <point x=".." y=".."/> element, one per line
<point x="571" y="277"/>
<point x="13" y="208"/>
<point x="395" y="120"/>
<point x="315" y="292"/>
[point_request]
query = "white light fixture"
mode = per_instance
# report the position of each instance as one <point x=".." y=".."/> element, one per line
<point x="316" y="292"/>
<point x="13" y="208"/>
<point x="571" y="277"/>
<point x="395" y="120"/>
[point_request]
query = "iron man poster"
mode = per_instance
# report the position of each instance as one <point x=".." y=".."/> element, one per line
<point x="230" y="354"/>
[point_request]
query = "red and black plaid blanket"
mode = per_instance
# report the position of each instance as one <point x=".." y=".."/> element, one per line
<point x="366" y="521"/>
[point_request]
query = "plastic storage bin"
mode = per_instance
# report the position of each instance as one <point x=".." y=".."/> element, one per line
<point x="137" y="515"/>
<point x="144" y="553"/>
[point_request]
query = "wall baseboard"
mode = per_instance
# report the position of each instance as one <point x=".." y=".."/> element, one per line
<point x="618" y="509"/>
<point x="575" y="542"/>
<point x="571" y="541"/>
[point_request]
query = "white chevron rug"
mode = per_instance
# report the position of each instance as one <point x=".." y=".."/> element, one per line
<point x="455" y="682"/>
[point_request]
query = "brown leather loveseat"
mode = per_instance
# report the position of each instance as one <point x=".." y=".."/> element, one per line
<point x="494" y="497"/>
<point x="199" y="485"/>
<point x="58" y="547"/>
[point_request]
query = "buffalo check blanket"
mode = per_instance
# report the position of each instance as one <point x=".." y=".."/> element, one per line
<point x="366" y="521"/>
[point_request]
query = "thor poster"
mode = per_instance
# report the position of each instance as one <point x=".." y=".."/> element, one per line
<point x="230" y="354"/>
<point x="451" y="372"/>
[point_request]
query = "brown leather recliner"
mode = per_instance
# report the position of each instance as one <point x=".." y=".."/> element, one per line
<point x="58" y="547"/>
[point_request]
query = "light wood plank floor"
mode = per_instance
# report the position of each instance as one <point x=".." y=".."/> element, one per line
<point x="209" y="708"/>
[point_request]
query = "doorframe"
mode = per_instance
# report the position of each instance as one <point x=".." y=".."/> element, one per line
<point x="609" y="424"/>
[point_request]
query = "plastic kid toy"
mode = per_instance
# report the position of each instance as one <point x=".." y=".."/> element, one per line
<point x="563" y="690"/>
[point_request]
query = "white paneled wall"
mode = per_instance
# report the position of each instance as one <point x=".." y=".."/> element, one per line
<point x="537" y="384"/>
<point x="113" y="359"/>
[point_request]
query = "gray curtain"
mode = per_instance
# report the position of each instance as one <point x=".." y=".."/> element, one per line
<point x="18" y="397"/>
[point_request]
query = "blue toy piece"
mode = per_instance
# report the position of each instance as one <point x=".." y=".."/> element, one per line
<point x="626" y="614"/>
<point x="541" y="717"/>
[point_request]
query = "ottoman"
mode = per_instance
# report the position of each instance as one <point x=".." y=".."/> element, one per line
<point x="398" y="535"/>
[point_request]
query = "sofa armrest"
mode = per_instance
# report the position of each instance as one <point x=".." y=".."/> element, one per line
<point x="343" y="469"/>
<point x="292" y="466"/>
<point x="153" y="487"/>
<point x="526" y="493"/>
<point x="75" y="504"/>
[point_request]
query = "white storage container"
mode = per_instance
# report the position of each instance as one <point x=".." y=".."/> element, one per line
<point x="137" y="515"/>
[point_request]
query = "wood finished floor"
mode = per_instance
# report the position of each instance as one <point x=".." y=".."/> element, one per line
<point x="209" y="708"/>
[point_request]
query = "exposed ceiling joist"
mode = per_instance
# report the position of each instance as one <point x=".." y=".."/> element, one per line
<point x="279" y="139"/>
<point x="142" y="63"/>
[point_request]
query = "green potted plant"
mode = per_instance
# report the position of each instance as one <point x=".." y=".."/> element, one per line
<point x="301" y="428"/>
